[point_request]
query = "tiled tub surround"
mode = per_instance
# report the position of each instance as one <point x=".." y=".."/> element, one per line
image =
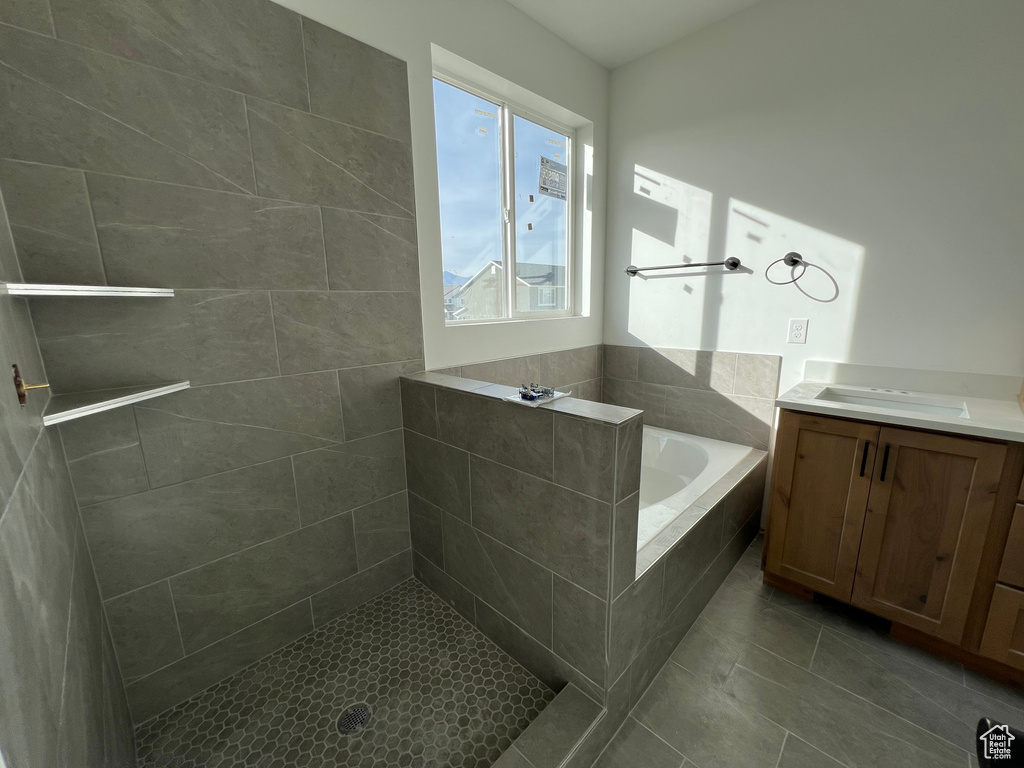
<point x="525" y="520"/>
<point x="576" y="371"/>
<point x="722" y="395"/>
<point x="62" y="701"/>
<point x="258" y="163"/>
<point x="515" y="513"/>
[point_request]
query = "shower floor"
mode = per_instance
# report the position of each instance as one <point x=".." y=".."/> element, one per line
<point x="441" y="694"/>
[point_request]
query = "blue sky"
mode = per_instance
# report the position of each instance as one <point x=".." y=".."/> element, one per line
<point x="468" y="166"/>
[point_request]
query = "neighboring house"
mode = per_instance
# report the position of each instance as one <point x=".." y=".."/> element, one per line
<point x="539" y="288"/>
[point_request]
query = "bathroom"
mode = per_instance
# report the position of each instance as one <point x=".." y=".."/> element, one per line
<point x="280" y="511"/>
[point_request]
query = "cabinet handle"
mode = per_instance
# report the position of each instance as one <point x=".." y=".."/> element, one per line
<point x="885" y="463"/>
<point x="864" y="458"/>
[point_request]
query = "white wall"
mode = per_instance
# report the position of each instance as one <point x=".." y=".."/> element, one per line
<point x="496" y="36"/>
<point x="883" y="140"/>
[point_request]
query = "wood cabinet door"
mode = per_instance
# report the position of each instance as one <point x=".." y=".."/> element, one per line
<point x="924" y="533"/>
<point x="819" y="494"/>
<point x="1004" y="631"/>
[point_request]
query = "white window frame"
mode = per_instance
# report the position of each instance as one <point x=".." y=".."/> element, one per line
<point x="507" y="109"/>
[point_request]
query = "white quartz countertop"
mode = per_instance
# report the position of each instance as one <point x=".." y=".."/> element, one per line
<point x="995" y="419"/>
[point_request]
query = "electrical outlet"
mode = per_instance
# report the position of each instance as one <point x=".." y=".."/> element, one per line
<point x="797" y="331"/>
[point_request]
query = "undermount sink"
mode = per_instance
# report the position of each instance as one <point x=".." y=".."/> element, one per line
<point x="896" y="400"/>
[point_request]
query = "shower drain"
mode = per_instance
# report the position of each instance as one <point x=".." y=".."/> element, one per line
<point x="354" y="719"/>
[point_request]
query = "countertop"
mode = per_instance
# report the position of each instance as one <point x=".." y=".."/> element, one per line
<point x="994" y="419"/>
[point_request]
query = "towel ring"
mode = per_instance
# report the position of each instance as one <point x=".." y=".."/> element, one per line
<point x="791" y="259"/>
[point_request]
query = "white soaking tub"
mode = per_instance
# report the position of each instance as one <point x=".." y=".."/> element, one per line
<point x="676" y="470"/>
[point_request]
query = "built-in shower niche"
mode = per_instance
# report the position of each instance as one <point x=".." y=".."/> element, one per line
<point x="525" y="520"/>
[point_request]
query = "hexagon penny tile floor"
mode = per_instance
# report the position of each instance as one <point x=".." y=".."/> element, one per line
<point x="439" y="692"/>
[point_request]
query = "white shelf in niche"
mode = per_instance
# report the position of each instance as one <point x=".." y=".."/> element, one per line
<point x="47" y="289"/>
<point x="68" y="407"/>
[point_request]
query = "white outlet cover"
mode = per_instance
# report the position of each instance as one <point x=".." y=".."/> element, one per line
<point x="797" y="330"/>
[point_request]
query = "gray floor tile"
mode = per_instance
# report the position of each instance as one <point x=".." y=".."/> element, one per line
<point x="763" y="624"/>
<point x="941" y="706"/>
<point x="709" y="726"/>
<point x="797" y="753"/>
<point x="847" y="727"/>
<point x="635" y="745"/>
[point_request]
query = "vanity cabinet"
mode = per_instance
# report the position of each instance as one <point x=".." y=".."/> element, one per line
<point x="891" y="520"/>
<point x="928" y="515"/>
<point x="819" y="496"/>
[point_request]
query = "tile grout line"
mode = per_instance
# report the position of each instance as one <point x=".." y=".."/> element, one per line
<point x="67" y="635"/>
<point x="129" y="126"/>
<point x="193" y="79"/>
<point x="825" y="681"/>
<point x="305" y="64"/>
<point x="782" y="749"/>
<point x="250" y="547"/>
<point x="329" y="447"/>
<point x="252" y="155"/>
<point x="277" y="344"/>
<point x="177" y="621"/>
<point x="247" y="195"/>
<point x="95" y="228"/>
<point x="142" y="453"/>
<point x="323" y="241"/>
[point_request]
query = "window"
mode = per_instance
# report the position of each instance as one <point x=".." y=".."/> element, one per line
<point x="505" y="188"/>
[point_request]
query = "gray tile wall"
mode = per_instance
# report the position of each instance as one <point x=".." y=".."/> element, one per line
<point x="62" y="702"/>
<point x="259" y="164"/>
<point x="723" y="395"/>
<point x="513" y="514"/>
<point x="577" y="371"/>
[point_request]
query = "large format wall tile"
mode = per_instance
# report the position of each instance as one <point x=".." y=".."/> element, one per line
<point x="105" y="456"/>
<point x="73" y="107"/>
<point x="564" y="531"/>
<point x="355" y="590"/>
<point x="553" y="369"/>
<point x="348" y="475"/>
<point x="370" y="253"/>
<point x="579" y="628"/>
<point x="80" y="741"/>
<point x="144" y="629"/>
<point x="246" y="45"/>
<point x="169" y="686"/>
<point x="688" y="368"/>
<point x="166" y="235"/>
<point x="205" y="430"/>
<point x="27" y="14"/>
<point x="308" y="159"/>
<point x="511" y="583"/>
<point x="517" y="436"/>
<point x="381" y="529"/>
<point x="318" y="331"/>
<point x="19" y="425"/>
<point x="227" y="595"/>
<point x="374" y="95"/>
<point x="202" y="336"/>
<point x="585" y="456"/>
<point x="51" y="223"/>
<point x="371" y="397"/>
<point x="35" y="588"/>
<point x="425" y="521"/>
<point x="140" y="539"/>
<point x="438" y="473"/>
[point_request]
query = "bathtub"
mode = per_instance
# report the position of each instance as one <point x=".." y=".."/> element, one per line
<point x="677" y="470"/>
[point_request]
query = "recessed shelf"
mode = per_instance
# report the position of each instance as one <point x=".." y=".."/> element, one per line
<point x="63" y="408"/>
<point x="46" y="289"/>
